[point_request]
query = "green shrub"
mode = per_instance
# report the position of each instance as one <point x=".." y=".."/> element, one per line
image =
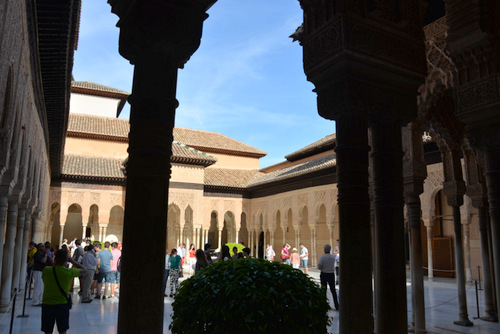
<point x="250" y="296"/>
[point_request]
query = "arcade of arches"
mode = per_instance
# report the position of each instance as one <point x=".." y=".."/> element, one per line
<point x="395" y="79"/>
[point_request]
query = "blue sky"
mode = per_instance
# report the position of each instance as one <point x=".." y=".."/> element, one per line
<point x="245" y="81"/>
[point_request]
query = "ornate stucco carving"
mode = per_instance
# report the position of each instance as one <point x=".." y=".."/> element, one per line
<point x="75" y="197"/>
<point x="440" y="67"/>
<point x="435" y="179"/>
<point x="303" y="199"/>
<point x="55" y="196"/>
<point x="95" y="198"/>
<point x="182" y="199"/>
<point x="320" y="196"/>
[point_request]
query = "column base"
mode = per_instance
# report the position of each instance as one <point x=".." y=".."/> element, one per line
<point x="412" y="329"/>
<point x="464" y="322"/>
<point x="490" y="318"/>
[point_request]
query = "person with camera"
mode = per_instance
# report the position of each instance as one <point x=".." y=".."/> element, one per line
<point x="56" y="298"/>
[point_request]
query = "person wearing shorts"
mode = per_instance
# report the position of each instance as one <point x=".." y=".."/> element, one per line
<point x="115" y="274"/>
<point x="104" y="264"/>
<point x="55" y="306"/>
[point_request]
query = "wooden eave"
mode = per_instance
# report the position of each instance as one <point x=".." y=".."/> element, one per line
<point x="53" y="40"/>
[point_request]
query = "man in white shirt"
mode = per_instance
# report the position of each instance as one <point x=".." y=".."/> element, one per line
<point x="327" y="266"/>
<point x="304" y="257"/>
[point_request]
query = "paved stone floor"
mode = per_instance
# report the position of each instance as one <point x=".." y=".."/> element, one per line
<point x="100" y="316"/>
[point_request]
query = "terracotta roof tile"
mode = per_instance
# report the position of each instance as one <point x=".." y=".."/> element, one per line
<point x="225" y="177"/>
<point x="98" y="125"/>
<point x="214" y="141"/>
<point x="96" y="87"/>
<point x="307" y="167"/>
<point x="184" y="154"/>
<point x="202" y="140"/>
<point x="319" y="146"/>
<point x="83" y="166"/>
<point x="101" y="167"/>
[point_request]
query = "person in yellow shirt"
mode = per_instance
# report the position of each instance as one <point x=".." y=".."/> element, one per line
<point x="31" y="257"/>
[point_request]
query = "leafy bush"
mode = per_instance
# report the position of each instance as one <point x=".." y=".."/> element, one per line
<point x="250" y="296"/>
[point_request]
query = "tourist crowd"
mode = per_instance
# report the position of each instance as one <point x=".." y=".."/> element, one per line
<point x="94" y="263"/>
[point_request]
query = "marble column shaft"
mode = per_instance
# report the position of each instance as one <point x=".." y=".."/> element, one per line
<point x="4" y="200"/>
<point x="430" y="261"/>
<point x="354" y="224"/>
<point x="26" y="241"/>
<point x="417" y="273"/>
<point x="492" y="176"/>
<point x="489" y="303"/>
<point x="152" y="118"/>
<point x="19" y="256"/>
<point x="8" y="255"/>
<point x="390" y="269"/>
<point x="463" y="317"/>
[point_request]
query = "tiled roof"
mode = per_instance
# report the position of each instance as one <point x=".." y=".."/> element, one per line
<point x="224" y="177"/>
<point x="319" y="146"/>
<point x="184" y="154"/>
<point x="213" y="142"/>
<point x="307" y="167"/>
<point x="83" y="166"/>
<point x="98" y="125"/>
<point x="88" y="85"/>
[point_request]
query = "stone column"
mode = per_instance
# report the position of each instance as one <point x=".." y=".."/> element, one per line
<point x="492" y="175"/>
<point x="104" y="232"/>
<point x="158" y="37"/>
<point x="357" y="84"/>
<point x="390" y="276"/>
<point x="417" y="275"/>
<point x="272" y="241"/>
<point x="148" y="170"/>
<point x="84" y="230"/>
<point x="468" y="270"/>
<point x="430" y="263"/>
<point x="26" y="235"/>
<point x="220" y="239"/>
<point x="19" y="256"/>
<point x="473" y="47"/>
<point x="314" y="252"/>
<point x="8" y="252"/>
<point x="463" y="317"/>
<point x="414" y="174"/>
<point x="284" y="236"/>
<point x="4" y="200"/>
<point x="297" y="237"/>
<point x="61" y="235"/>
<point x="354" y="224"/>
<point x="250" y="241"/>
<point x="489" y="303"/>
<point x="195" y="238"/>
<point x="454" y="189"/>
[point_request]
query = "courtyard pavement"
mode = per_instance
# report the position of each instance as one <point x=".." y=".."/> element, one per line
<point x="101" y="316"/>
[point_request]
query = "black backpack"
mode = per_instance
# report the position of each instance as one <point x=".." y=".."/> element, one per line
<point x="119" y="265"/>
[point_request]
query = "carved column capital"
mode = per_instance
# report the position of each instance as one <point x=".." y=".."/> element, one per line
<point x="364" y="55"/>
<point x="473" y="43"/>
<point x="171" y="27"/>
